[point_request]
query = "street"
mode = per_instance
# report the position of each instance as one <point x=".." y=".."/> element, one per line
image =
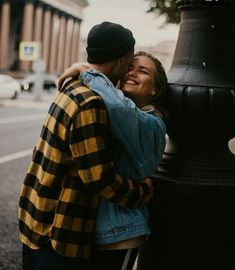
<point x="20" y="124"/>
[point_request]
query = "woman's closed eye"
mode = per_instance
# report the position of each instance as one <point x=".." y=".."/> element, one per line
<point x="144" y="71"/>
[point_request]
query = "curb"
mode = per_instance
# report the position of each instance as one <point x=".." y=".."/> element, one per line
<point x="28" y="102"/>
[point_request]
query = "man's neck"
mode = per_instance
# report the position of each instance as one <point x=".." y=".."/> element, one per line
<point x="106" y="69"/>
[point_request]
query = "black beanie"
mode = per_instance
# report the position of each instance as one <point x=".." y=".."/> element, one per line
<point x="108" y="41"/>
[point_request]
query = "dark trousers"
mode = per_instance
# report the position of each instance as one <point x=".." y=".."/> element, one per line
<point x="115" y="259"/>
<point x="48" y="259"/>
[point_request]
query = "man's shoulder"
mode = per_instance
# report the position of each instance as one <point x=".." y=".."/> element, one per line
<point x="79" y="92"/>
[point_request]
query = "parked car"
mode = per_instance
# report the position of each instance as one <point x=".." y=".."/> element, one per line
<point x="9" y="87"/>
<point x="49" y="82"/>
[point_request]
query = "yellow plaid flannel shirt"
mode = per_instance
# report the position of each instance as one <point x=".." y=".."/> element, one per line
<point x="71" y="169"/>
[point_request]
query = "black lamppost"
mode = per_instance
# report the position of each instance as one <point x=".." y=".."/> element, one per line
<point x="193" y="213"/>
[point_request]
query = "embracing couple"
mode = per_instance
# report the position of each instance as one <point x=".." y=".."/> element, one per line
<point x="83" y="201"/>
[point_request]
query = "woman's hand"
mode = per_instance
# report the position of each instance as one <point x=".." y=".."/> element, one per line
<point x="149" y="182"/>
<point x="148" y="190"/>
<point x="72" y="71"/>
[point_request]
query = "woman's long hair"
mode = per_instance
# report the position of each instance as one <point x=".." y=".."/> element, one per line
<point x="160" y="84"/>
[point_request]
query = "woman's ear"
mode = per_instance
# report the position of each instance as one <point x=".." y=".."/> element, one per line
<point x="154" y="92"/>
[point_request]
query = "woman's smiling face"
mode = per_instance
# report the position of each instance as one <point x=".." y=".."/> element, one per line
<point x="139" y="82"/>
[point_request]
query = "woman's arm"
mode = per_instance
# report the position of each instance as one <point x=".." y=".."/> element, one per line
<point x="142" y="134"/>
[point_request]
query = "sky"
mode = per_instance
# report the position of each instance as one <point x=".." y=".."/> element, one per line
<point x="131" y="14"/>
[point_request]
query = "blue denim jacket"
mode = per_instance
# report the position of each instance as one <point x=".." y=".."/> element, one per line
<point x="142" y="141"/>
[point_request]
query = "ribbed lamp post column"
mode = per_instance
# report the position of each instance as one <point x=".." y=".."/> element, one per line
<point x="193" y="213"/>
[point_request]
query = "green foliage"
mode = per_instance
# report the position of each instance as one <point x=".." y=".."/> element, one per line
<point x="167" y="8"/>
<point x="84" y="3"/>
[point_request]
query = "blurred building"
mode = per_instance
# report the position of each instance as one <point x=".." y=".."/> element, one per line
<point x="55" y="24"/>
<point x="164" y="51"/>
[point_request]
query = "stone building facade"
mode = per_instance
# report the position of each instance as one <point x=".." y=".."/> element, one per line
<point x="55" y="24"/>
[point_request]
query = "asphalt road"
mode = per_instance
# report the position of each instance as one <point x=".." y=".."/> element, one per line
<point x="20" y="125"/>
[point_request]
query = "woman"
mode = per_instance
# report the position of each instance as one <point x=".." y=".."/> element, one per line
<point x="119" y="229"/>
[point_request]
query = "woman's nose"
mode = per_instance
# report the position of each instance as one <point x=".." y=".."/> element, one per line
<point x="132" y="73"/>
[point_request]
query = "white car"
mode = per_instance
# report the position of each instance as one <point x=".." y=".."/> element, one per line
<point x="9" y="87"/>
<point x="49" y="82"/>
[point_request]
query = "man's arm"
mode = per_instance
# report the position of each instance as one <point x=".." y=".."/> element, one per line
<point x="89" y="144"/>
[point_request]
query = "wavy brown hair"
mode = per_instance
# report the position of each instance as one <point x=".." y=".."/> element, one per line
<point x="160" y="84"/>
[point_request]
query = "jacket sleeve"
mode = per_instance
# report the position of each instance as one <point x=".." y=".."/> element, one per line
<point x="90" y="147"/>
<point x="140" y="133"/>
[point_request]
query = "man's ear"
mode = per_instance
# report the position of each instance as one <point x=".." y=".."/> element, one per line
<point x="121" y="59"/>
<point x="114" y="63"/>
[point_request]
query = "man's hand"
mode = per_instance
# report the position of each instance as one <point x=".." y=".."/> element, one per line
<point x="72" y="71"/>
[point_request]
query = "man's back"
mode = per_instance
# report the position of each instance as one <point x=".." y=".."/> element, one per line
<point x="54" y="203"/>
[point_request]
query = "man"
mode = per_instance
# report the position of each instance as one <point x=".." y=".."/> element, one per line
<point x="72" y="167"/>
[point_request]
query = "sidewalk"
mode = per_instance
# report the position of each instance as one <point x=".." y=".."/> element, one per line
<point x="27" y="100"/>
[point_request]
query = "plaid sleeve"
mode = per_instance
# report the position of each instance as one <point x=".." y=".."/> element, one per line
<point x="90" y="147"/>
